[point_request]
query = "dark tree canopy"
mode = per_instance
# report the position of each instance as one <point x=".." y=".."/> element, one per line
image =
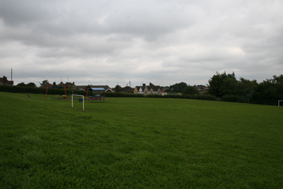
<point x="222" y="84"/>
<point x="22" y="84"/>
<point x="44" y="82"/>
<point x="225" y="86"/>
<point x="87" y="87"/>
<point x="118" y="88"/>
<point x="31" y="84"/>
<point x="191" y="90"/>
<point x="178" y="87"/>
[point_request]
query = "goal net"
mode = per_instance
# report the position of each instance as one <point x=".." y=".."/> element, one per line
<point x="82" y="100"/>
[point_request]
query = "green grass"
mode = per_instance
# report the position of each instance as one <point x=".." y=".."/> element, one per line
<point x="139" y="143"/>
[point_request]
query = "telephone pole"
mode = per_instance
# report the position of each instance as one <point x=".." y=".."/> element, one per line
<point x="11" y="76"/>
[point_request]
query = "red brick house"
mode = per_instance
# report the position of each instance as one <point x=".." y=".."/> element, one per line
<point x="5" y="81"/>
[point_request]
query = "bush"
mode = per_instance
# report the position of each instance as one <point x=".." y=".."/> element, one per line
<point x="123" y="95"/>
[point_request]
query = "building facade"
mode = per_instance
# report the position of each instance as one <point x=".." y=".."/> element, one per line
<point x="148" y="89"/>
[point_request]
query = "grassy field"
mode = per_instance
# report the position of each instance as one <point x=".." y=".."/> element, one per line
<point x="139" y="143"/>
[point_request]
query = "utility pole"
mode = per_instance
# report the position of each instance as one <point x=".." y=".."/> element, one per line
<point x="11" y="76"/>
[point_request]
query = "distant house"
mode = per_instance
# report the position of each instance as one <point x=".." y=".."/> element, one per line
<point x="164" y="92"/>
<point x="67" y="85"/>
<point x="83" y="87"/>
<point x="146" y="90"/>
<point x="127" y="89"/>
<point x="46" y="85"/>
<point x="5" y="81"/>
<point x="202" y="89"/>
<point x="109" y="90"/>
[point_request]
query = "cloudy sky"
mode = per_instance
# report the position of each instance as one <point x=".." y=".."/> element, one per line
<point x="160" y="41"/>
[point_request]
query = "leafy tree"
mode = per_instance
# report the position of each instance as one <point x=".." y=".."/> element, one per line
<point x="191" y="90"/>
<point x="87" y="87"/>
<point x="266" y="92"/>
<point x="118" y="88"/>
<point x="278" y="80"/>
<point x="214" y="84"/>
<point x="22" y="84"/>
<point x="246" y="88"/>
<point x="31" y="84"/>
<point x="178" y="87"/>
<point x="54" y="83"/>
<point x="218" y="86"/>
<point x="44" y="82"/>
<point x="229" y="86"/>
<point x="269" y="91"/>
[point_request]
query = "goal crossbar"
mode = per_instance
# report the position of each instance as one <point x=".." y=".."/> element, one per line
<point x="82" y="98"/>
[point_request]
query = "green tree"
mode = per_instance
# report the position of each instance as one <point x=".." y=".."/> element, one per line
<point x="118" y="88"/>
<point x="219" y="85"/>
<point x="87" y="87"/>
<point x="190" y="90"/>
<point x="44" y="82"/>
<point x="22" y="84"/>
<point x="178" y="87"/>
<point x="278" y="80"/>
<point x="31" y="84"/>
<point x="229" y="86"/>
<point x="269" y="91"/>
<point x="266" y="92"/>
<point x="246" y="88"/>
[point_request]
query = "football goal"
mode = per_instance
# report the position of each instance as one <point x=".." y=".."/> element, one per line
<point x="79" y="99"/>
<point x="279" y="102"/>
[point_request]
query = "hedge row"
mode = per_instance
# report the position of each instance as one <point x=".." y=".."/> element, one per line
<point x="197" y="97"/>
<point x="233" y="98"/>
<point x="123" y="95"/>
<point x="253" y="100"/>
<point x="34" y="90"/>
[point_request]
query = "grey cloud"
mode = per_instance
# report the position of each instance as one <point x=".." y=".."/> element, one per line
<point x="160" y="41"/>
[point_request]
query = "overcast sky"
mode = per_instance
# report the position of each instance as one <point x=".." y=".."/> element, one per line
<point x="160" y="41"/>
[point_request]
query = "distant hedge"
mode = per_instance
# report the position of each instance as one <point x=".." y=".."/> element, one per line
<point x="34" y="90"/>
<point x="197" y="97"/>
<point x="124" y="95"/>
<point x="233" y="98"/>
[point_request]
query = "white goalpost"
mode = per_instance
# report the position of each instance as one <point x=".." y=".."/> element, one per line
<point x="82" y="98"/>
<point x="279" y="102"/>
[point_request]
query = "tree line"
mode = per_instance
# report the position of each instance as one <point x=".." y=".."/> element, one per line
<point x="228" y="88"/>
<point x="182" y="88"/>
<point x="222" y="86"/>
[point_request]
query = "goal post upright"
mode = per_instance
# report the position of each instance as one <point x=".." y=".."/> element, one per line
<point x="279" y="102"/>
<point x="82" y="98"/>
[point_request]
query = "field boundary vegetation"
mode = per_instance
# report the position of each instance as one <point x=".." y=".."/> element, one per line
<point x="255" y="99"/>
<point x="34" y="90"/>
<point x="227" y="88"/>
<point x="222" y="87"/>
